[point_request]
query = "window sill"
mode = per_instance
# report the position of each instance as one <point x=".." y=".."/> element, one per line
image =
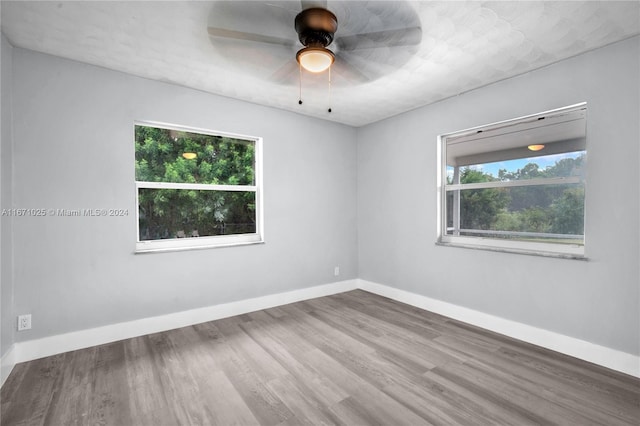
<point x="515" y="251"/>
<point x="171" y="248"/>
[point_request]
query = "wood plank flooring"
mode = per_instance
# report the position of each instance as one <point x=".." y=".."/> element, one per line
<point x="349" y="359"/>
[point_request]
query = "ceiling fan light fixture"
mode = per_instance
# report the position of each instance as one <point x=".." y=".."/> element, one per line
<point x="315" y="58"/>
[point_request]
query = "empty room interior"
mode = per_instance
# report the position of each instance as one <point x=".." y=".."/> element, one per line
<point x="320" y="212"/>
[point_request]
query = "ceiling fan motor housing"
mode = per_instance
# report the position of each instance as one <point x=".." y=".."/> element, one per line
<point x="316" y="26"/>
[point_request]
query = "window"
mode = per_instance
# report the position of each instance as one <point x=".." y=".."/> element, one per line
<point x="196" y="188"/>
<point x="517" y="185"/>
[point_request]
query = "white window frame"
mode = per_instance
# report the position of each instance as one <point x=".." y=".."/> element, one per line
<point x="572" y="251"/>
<point x="175" y="244"/>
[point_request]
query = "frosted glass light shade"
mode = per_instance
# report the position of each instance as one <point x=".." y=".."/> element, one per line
<point x="315" y="59"/>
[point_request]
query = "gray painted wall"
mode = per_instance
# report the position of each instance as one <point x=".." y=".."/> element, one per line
<point x="597" y="300"/>
<point x="362" y="199"/>
<point x="73" y="133"/>
<point x="8" y="323"/>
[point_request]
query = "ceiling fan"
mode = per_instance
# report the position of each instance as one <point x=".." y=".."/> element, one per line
<point x="360" y="41"/>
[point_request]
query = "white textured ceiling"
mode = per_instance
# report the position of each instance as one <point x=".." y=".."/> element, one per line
<point x="464" y="45"/>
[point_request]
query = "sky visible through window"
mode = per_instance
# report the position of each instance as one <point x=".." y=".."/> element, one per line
<point x="514" y="165"/>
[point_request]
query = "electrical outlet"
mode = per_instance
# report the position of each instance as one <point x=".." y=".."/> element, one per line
<point x="24" y="322"/>
<point x="336" y="271"/>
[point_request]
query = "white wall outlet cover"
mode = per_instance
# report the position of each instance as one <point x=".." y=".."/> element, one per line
<point x="24" y="322"/>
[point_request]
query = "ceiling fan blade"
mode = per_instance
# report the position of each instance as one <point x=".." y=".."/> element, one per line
<point x="294" y="12"/>
<point x="348" y="71"/>
<point x="240" y="35"/>
<point x="306" y="4"/>
<point x="286" y="74"/>
<point x="402" y="37"/>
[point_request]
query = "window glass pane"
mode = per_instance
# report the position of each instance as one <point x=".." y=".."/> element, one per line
<point x="449" y="172"/>
<point x="521" y="180"/>
<point x="449" y="208"/>
<point x="555" y="211"/>
<point x="182" y="213"/>
<point x="547" y="166"/>
<point x="164" y="155"/>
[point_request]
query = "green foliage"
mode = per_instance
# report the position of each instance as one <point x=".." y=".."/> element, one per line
<point x="544" y="209"/>
<point x="508" y="221"/>
<point x="165" y="213"/>
<point x="529" y="171"/>
<point x="535" y="219"/>
<point x="540" y="196"/>
<point x="480" y="207"/>
<point x="567" y="212"/>
<point x="469" y="175"/>
<point x="220" y="160"/>
<point x="567" y="167"/>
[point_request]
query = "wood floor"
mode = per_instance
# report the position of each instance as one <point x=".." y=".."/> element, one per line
<point x="353" y="359"/>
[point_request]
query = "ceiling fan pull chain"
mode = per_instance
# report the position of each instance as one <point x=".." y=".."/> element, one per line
<point x="329" y="110"/>
<point x="300" y="85"/>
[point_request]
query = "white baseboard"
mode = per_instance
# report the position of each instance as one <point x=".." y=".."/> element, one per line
<point x="7" y="363"/>
<point x="47" y="346"/>
<point x="601" y="355"/>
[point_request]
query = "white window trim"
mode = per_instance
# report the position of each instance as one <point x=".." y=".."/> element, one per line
<point x="519" y="247"/>
<point x="196" y="186"/>
<point x="195" y="243"/>
<point x="570" y="251"/>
